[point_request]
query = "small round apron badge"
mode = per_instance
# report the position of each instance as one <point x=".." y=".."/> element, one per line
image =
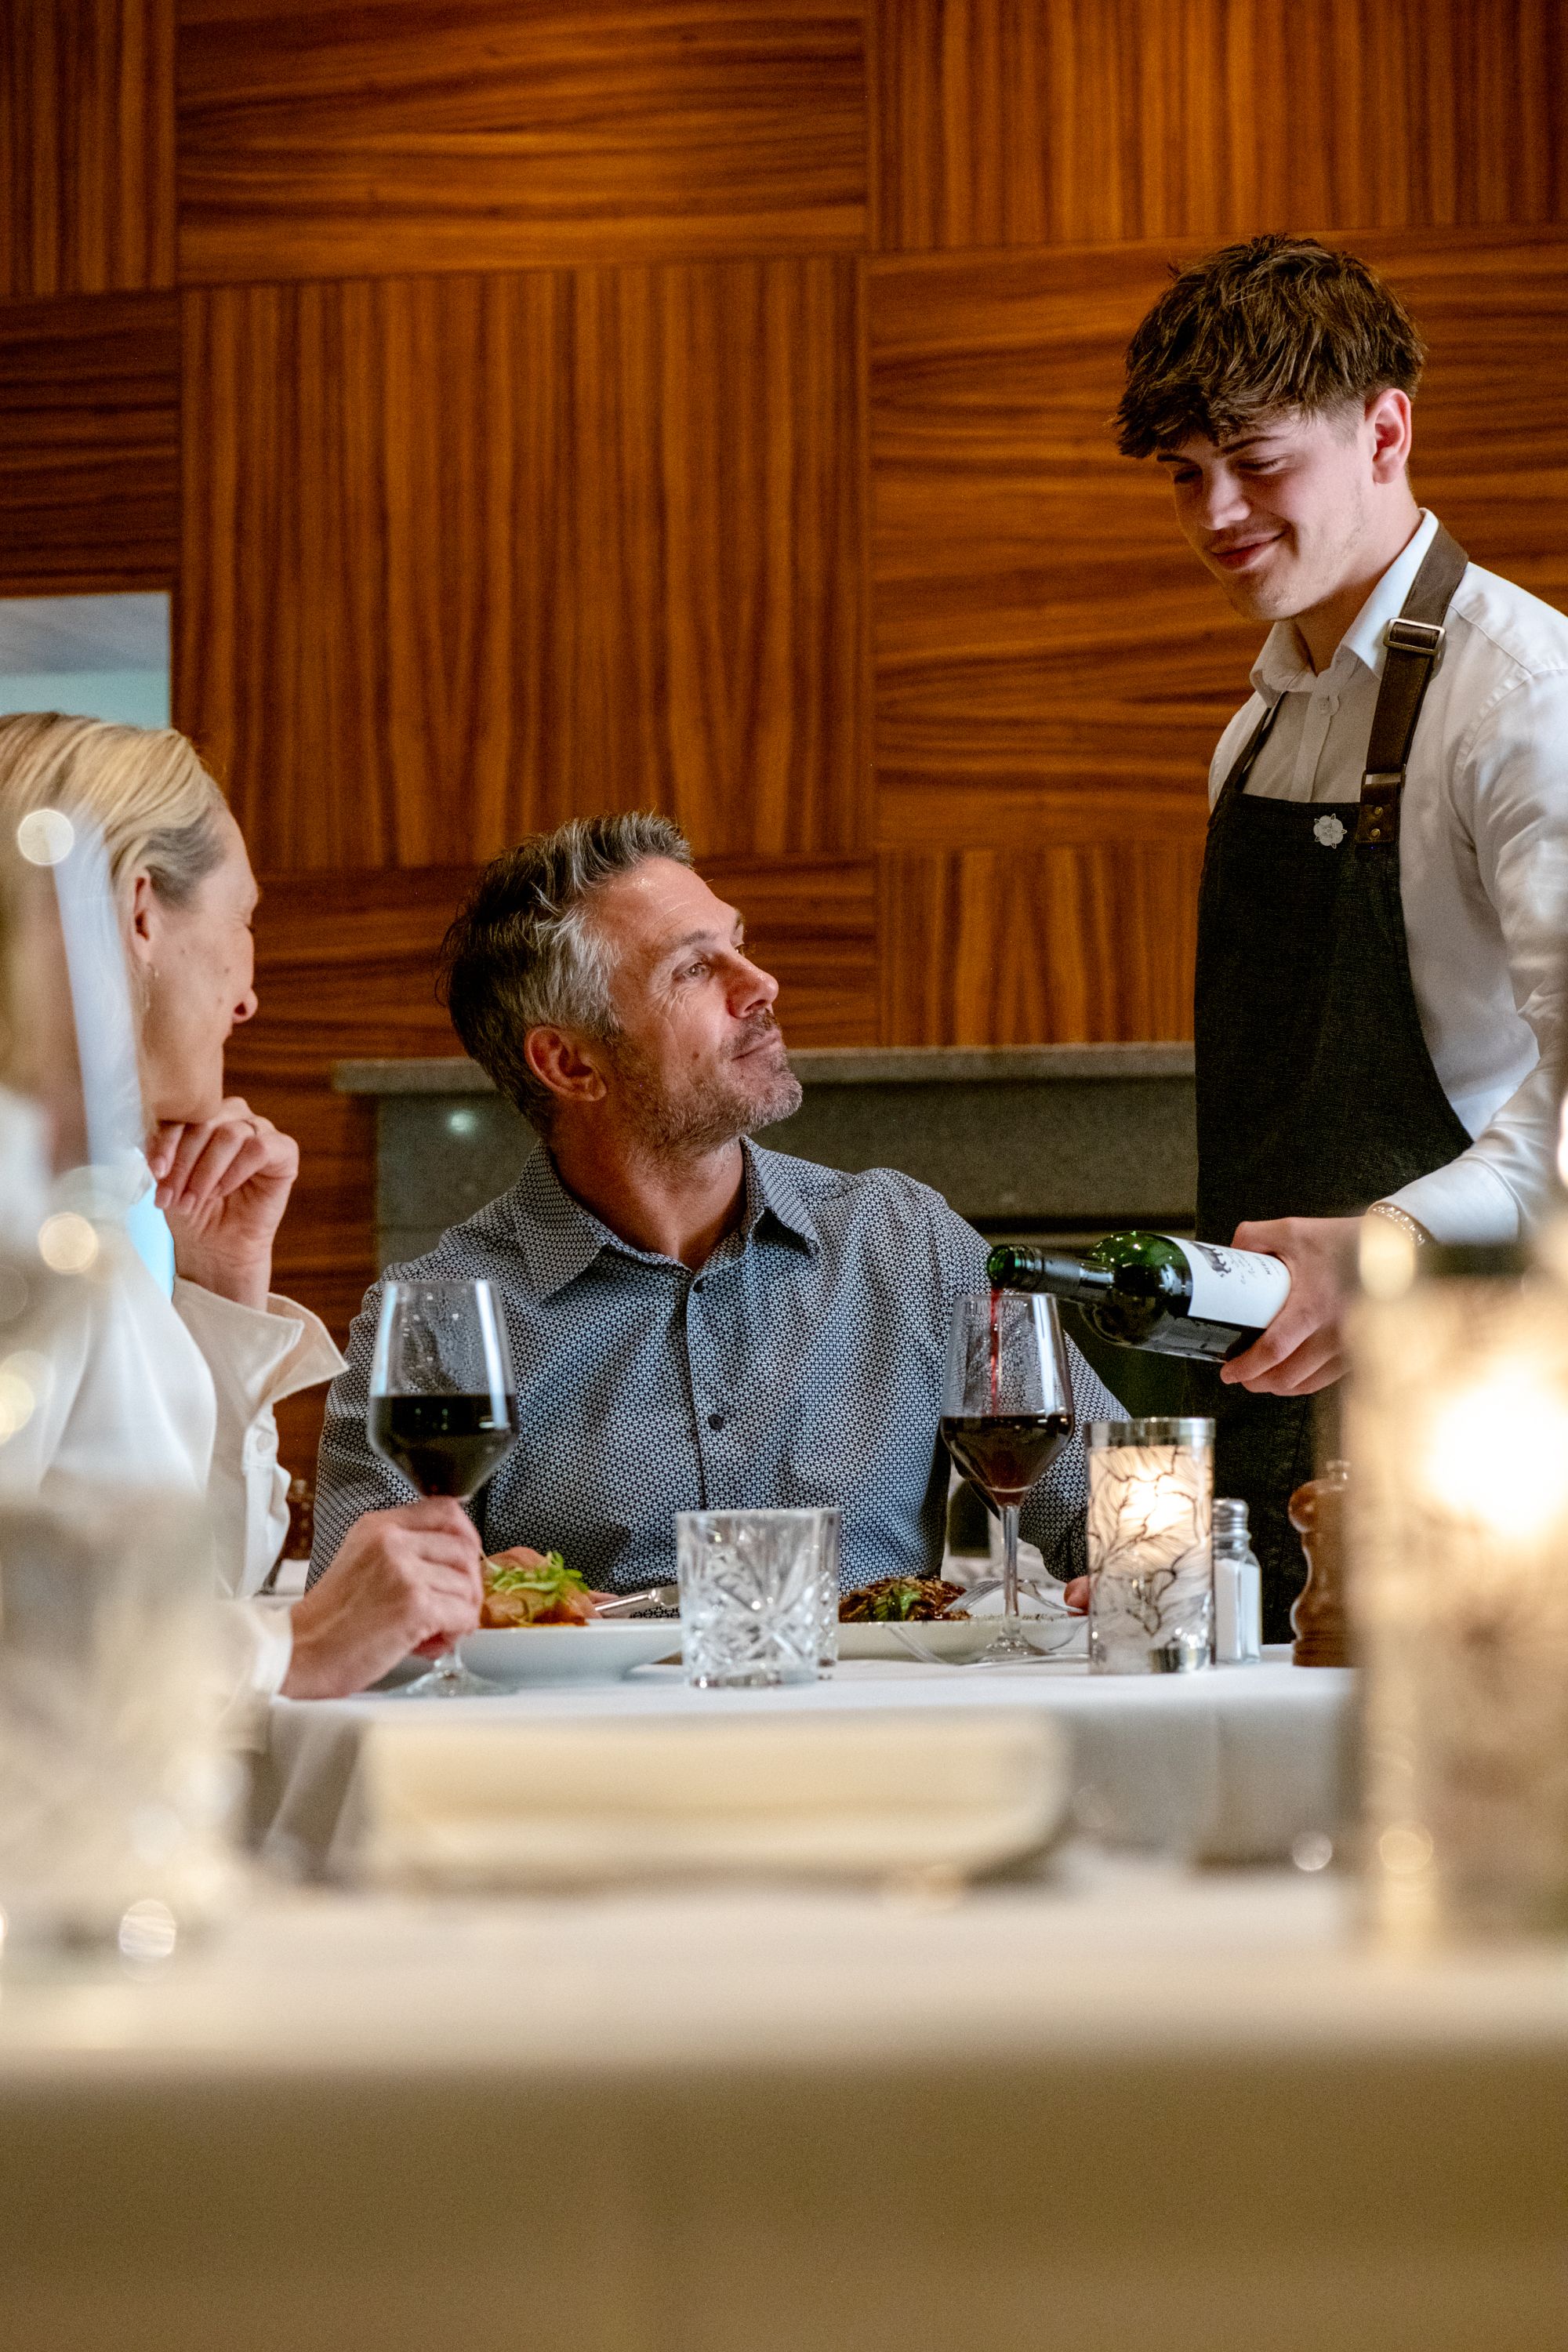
<point x="1329" y="830"/>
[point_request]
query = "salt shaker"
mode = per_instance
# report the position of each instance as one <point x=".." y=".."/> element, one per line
<point x="1237" y="1587"/>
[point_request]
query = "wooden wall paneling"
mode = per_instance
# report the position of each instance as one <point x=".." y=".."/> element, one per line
<point x="87" y="146"/>
<point x="89" y="434"/>
<point x="1019" y="945"/>
<point x="1009" y="122"/>
<point x="1492" y="415"/>
<point x="1050" y="664"/>
<point x="465" y="555"/>
<point x="1053" y="668"/>
<point x="482" y="135"/>
<point x="344" y="966"/>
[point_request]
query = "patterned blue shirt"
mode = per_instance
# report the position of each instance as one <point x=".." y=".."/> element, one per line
<point x="801" y="1366"/>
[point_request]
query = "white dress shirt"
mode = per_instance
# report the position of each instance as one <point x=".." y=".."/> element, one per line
<point x="148" y="1392"/>
<point x="1483" y="831"/>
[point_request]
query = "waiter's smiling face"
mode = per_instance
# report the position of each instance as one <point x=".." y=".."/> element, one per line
<point x="1282" y="511"/>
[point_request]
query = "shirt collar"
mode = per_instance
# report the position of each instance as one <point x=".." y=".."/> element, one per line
<point x="560" y="1239"/>
<point x="1282" y="666"/>
<point x="773" y="1189"/>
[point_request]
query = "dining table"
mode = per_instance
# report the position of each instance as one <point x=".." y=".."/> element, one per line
<point x="1123" y="2102"/>
<point x="1230" y="1764"/>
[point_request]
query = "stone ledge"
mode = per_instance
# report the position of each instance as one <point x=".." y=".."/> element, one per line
<point x="840" y="1066"/>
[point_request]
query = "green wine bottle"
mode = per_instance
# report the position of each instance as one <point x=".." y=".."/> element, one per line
<point x="1150" y="1290"/>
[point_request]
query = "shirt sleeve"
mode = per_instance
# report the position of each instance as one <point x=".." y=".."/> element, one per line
<point x="351" y="1477"/>
<point x="1510" y="788"/>
<point x="1053" y="1514"/>
<point x="254" y="1645"/>
<point x="257" y="1357"/>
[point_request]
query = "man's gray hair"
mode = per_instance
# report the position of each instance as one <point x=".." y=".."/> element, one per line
<point x="525" y="953"/>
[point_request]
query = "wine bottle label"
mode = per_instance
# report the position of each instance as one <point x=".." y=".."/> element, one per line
<point x="1231" y="1285"/>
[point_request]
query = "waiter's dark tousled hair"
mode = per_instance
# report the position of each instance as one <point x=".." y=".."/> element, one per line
<point x="1279" y="323"/>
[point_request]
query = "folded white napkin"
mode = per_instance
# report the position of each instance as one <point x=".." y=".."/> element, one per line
<point x="466" y="1805"/>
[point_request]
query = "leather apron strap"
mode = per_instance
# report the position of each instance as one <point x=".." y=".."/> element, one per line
<point x="1414" y="643"/>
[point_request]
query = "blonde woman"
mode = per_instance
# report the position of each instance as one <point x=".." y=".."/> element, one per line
<point x="176" y="1375"/>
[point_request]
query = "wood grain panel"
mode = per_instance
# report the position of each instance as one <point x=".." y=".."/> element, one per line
<point x="1491" y="417"/>
<point x="90" y="460"/>
<point x="1046" y="651"/>
<point x="1008" y="122"/>
<point x="480" y="135"/>
<point x="1023" y="946"/>
<point x="345" y="968"/>
<point x="465" y="555"/>
<point x="87" y="146"/>
<point x="1051" y="665"/>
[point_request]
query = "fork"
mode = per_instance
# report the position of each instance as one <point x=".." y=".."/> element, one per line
<point x="626" y="1604"/>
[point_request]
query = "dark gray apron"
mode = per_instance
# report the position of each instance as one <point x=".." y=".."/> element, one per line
<point x="1316" y="1094"/>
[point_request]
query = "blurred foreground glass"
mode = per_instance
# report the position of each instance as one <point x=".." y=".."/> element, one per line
<point x="1150" y="1571"/>
<point x="443" y="1412"/>
<point x="1457" y="1558"/>
<point x="754" y="1595"/>
<point x="114" y="1791"/>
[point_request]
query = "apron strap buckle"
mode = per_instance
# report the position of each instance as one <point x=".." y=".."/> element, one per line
<point x="1422" y="637"/>
<point x="1378" y="821"/>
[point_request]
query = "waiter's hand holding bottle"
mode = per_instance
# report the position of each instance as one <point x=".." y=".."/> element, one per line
<point x="1301" y="1351"/>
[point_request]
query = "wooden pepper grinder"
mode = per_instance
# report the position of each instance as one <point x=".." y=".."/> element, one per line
<point x="1318" y="1620"/>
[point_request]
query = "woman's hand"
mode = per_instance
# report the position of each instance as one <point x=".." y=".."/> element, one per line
<point x="407" y="1580"/>
<point x="224" y="1184"/>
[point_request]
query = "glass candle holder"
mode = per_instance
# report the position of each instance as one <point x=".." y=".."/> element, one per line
<point x="1457" y="1587"/>
<point x="829" y="1590"/>
<point x="753" y="1595"/>
<point x="1150" y="1569"/>
<point x="115" y="1793"/>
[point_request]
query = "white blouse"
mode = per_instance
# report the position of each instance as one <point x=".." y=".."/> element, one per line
<point x="148" y="1392"/>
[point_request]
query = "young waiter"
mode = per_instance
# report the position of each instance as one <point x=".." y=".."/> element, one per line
<point x="1379" y="943"/>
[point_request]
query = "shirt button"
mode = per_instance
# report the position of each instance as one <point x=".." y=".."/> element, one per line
<point x="715" y="1420"/>
<point x="697" y="1286"/>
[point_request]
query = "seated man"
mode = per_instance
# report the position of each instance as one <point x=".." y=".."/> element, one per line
<point x="696" y="1323"/>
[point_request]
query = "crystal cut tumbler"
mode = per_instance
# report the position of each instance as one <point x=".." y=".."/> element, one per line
<point x="754" y="1595"/>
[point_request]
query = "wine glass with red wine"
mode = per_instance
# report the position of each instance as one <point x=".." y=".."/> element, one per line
<point x="443" y="1409"/>
<point x="1008" y="1411"/>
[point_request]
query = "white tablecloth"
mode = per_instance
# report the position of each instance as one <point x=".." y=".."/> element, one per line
<point x="1234" y="1764"/>
<point x="1122" y="2109"/>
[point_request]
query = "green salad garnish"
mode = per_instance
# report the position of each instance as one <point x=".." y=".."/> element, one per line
<point x="551" y="1575"/>
<point x="898" y="1600"/>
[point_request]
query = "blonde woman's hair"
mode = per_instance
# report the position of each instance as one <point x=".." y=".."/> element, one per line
<point x="144" y="789"/>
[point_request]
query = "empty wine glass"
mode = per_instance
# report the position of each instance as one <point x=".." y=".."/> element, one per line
<point x="443" y="1411"/>
<point x="1008" y="1411"/>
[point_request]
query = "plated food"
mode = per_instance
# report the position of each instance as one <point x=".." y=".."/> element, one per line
<point x="541" y="1623"/>
<point x="901" y="1600"/>
<point x="534" y="1588"/>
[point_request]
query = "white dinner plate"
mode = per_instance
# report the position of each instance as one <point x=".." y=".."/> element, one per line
<point x="568" y="1653"/>
<point x="957" y="1638"/>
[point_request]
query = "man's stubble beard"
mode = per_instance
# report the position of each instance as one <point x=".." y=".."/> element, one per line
<point x="708" y="1113"/>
